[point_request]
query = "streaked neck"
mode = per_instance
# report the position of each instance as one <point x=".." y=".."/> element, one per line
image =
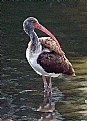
<point x="34" y="41"/>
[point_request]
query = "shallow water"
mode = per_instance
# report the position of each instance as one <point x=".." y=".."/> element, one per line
<point x="22" y="92"/>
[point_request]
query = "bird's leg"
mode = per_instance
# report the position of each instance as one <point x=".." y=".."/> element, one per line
<point x="45" y="83"/>
<point x="50" y="87"/>
<point x="50" y="93"/>
<point x="45" y="90"/>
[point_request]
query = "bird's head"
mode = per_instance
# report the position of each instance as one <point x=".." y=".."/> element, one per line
<point x="30" y="23"/>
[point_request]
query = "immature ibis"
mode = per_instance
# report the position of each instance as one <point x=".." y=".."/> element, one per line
<point x="45" y="54"/>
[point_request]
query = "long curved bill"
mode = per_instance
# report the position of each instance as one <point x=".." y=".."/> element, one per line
<point x="43" y="29"/>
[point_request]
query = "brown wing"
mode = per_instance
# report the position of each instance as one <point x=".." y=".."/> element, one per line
<point x="49" y="43"/>
<point x="51" y="62"/>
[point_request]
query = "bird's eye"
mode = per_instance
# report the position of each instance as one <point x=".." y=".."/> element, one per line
<point x="34" y="21"/>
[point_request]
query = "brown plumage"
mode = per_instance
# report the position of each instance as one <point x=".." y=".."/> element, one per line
<point x="54" y="61"/>
<point x="49" y="43"/>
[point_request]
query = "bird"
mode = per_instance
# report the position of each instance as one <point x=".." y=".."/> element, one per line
<point x="44" y="54"/>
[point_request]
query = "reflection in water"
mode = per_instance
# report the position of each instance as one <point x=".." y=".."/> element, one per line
<point x="47" y="108"/>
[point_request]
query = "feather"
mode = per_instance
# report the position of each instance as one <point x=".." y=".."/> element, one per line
<point x="48" y="42"/>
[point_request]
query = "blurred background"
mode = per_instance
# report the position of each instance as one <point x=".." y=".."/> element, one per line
<point x="21" y="88"/>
